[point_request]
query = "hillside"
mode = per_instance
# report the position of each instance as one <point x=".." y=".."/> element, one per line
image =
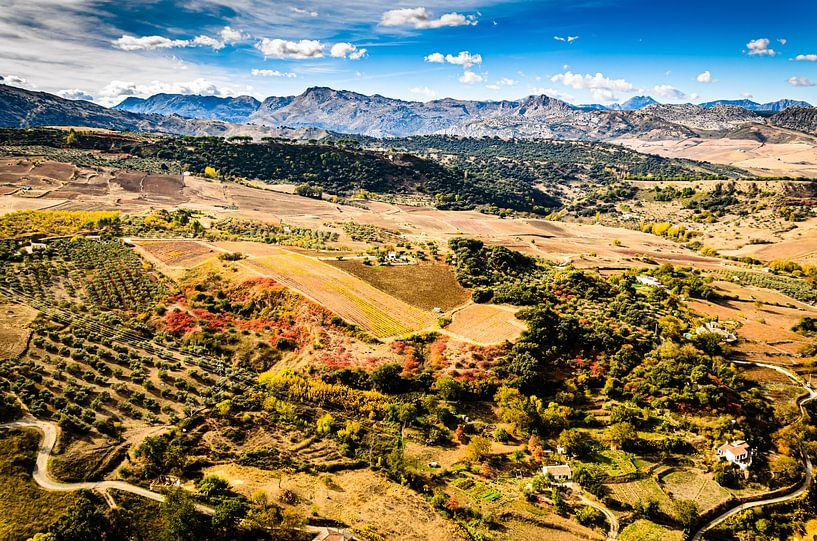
<point x="20" y="108"/>
<point x="236" y="109"/>
<point x="797" y="118"/>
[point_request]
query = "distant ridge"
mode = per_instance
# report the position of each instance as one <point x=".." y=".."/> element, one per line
<point x="321" y="110"/>
<point x="774" y="106"/>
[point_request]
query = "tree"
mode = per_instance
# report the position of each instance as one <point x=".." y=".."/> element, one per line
<point x="387" y="379"/>
<point x="477" y="448"/>
<point x="589" y="516"/>
<point x="72" y="138"/>
<point x="85" y="520"/>
<point x="535" y="448"/>
<point x="325" y="424"/>
<point x="574" y="442"/>
<point x="786" y="470"/>
<point x="449" y="388"/>
<point x="686" y="512"/>
<point x="213" y="486"/>
<point x="621" y="435"/>
<point x="181" y="520"/>
<point x="228" y="514"/>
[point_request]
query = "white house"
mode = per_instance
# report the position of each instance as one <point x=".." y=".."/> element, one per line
<point x="559" y="473"/>
<point x="715" y="328"/>
<point x="737" y="452"/>
<point x="35" y="246"/>
<point x="649" y="281"/>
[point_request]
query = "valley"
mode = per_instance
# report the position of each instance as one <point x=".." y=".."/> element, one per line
<point x="363" y="354"/>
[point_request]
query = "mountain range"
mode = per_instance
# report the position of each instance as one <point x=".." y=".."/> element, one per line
<point x="320" y="110"/>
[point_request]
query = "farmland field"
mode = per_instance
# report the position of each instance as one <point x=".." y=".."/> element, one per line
<point x="640" y="491"/>
<point x="347" y="296"/>
<point x="644" y="530"/>
<point x="177" y="253"/>
<point x="426" y="285"/>
<point x="485" y="324"/>
<point x="696" y="486"/>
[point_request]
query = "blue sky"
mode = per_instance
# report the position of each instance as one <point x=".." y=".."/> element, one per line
<point x="583" y="51"/>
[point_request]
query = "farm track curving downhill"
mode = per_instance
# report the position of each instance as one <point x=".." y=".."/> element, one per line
<point x="50" y="431"/>
<point x="796" y="493"/>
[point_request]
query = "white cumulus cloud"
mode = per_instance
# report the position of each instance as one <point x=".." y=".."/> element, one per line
<point x="279" y="48"/>
<point x="421" y="18"/>
<point x="347" y="50"/>
<point x="200" y="86"/>
<point x="806" y="58"/>
<point x="272" y="73"/>
<point x="598" y="81"/>
<point x="668" y="92"/>
<point x="567" y="39"/>
<point x="800" y="81"/>
<point x="13" y="80"/>
<point x="230" y="35"/>
<point x="470" y="78"/>
<point x="302" y="11"/>
<point x="75" y="94"/>
<point x="150" y="43"/>
<point x="505" y="81"/>
<point x="424" y="91"/>
<point x="464" y="59"/>
<point x="705" y="78"/>
<point x="146" y="43"/>
<point x="760" y="47"/>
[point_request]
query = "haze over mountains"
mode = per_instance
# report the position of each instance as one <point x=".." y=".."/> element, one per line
<point x="321" y="109"/>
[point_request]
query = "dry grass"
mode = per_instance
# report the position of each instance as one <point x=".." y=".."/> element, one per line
<point x="485" y="324"/>
<point x="425" y="285"/>
<point x="348" y="296"/>
<point x="14" y="332"/>
<point x="697" y="486"/>
<point x="26" y="509"/>
<point x="356" y="498"/>
<point x="644" y="530"/>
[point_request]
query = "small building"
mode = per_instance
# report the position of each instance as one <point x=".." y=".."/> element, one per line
<point x="736" y="452"/>
<point x="560" y="473"/>
<point x="332" y="534"/>
<point x="714" y="327"/>
<point x="34" y="246"/>
<point x="649" y="281"/>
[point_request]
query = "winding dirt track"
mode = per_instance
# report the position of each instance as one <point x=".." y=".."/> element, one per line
<point x="612" y="520"/>
<point x="799" y="491"/>
<point x="50" y="431"/>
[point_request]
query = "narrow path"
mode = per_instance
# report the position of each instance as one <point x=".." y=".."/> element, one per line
<point x="611" y="518"/>
<point x="799" y="491"/>
<point x="50" y="431"/>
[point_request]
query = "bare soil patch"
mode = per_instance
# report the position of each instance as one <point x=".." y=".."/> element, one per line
<point x="14" y="331"/>
<point x="485" y="324"/>
<point x="356" y="498"/>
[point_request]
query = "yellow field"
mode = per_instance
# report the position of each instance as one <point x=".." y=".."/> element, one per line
<point x="349" y="297"/>
<point x="485" y="324"/>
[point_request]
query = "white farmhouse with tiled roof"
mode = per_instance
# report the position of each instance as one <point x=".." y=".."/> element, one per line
<point x="737" y="452"/>
<point x="559" y="473"/>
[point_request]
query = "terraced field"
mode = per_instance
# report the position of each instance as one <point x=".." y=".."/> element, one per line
<point x="349" y="297"/>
